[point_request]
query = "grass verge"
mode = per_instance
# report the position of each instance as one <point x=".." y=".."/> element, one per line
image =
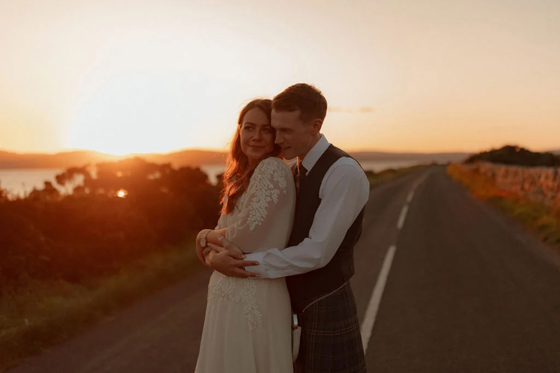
<point x="541" y="219"/>
<point x="45" y="313"/>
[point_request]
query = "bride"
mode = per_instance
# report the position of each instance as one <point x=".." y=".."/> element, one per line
<point x="247" y="327"/>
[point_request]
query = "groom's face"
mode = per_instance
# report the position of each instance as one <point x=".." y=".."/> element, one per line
<point x="294" y="136"/>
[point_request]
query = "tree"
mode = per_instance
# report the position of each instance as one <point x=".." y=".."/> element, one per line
<point x="516" y="155"/>
<point x="73" y="177"/>
<point x="48" y="193"/>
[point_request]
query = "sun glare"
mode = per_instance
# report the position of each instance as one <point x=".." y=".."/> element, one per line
<point x="128" y="80"/>
<point x="122" y="193"/>
<point x="159" y="92"/>
<point x="153" y="113"/>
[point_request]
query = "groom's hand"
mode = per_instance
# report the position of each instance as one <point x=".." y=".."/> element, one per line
<point x="234" y="250"/>
<point x="222" y="261"/>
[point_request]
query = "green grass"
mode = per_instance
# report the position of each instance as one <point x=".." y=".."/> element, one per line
<point x="42" y="314"/>
<point x="541" y="219"/>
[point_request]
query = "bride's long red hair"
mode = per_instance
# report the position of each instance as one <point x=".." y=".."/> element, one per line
<point x="238" y="173"/>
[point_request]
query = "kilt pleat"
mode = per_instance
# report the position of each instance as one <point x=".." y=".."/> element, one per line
<point x="330" y="336"/>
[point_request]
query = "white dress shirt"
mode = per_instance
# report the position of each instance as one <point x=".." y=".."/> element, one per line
<point x="344" y="192"/>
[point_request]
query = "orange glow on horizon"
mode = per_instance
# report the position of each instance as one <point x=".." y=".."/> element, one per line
<point x="417" y="78"/>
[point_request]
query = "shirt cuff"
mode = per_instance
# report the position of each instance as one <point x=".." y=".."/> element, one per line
<point x="258" y="269"/>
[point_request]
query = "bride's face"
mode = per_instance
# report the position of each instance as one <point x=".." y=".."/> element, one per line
<point x="256" y="135"/>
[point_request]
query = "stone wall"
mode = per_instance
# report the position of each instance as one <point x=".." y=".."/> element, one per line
<point x="541" y="184"/>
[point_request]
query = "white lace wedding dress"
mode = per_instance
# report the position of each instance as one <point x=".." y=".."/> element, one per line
<point x="247" y="327"/>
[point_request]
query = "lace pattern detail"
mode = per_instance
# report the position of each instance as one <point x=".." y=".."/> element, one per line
<point x="265" y="190"/>
<point x="225" y="289"/>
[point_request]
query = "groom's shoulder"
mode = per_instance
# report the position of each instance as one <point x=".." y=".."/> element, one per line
<point x="345" y="160"/>
<point x="346" y="172"/>
<point x="349" y="166"/>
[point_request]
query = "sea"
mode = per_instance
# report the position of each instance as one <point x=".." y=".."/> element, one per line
<point x="21" y="181"/>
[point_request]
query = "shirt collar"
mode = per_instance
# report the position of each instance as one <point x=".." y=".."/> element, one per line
<point x="315" y="153"/>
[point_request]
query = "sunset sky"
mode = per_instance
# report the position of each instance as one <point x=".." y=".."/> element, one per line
<point x="156" y="76"/>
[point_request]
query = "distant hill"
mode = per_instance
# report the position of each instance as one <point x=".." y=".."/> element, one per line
<point x="57" y="160"/>
<point x="80" y="158"/>
<point x="516" y="155"/>
<point x="189" y="157"/>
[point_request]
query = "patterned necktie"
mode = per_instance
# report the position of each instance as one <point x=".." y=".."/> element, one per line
<point x="300" y="173"/>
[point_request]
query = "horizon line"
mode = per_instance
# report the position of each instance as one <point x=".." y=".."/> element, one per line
<point x="219" y="150"/>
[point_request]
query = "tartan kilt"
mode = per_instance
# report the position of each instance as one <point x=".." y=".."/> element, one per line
<point x="330" y="336"/>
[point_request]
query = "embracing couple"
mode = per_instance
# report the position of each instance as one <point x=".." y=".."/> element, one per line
<point x="283" y="248"/>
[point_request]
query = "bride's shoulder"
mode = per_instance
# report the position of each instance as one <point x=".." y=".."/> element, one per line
<point x="273" y="164"/>
<point x="272" y="169"/>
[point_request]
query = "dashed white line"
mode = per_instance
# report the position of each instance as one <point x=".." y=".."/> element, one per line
<point x="402" y="217"/>
<point x="371" y="311"/>
<point x="410" y="195"/>
<point x="420" y="181"/>
<point x="373" y="306"/>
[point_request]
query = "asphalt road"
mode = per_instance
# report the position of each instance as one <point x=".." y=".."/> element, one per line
<point x="467" y="290"/>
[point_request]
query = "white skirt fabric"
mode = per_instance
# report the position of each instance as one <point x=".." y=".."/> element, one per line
<point x="247" y="327"/>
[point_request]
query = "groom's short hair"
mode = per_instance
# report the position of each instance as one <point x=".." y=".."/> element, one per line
<point x="304" y="97"/>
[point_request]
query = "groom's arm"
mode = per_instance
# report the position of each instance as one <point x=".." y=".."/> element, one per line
<point x="344" y="192"/>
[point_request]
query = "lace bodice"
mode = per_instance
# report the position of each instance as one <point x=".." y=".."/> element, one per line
<point x="262" y="219"/>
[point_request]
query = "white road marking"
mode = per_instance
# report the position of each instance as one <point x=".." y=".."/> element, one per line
<point x="402" y="217"/>
<point x="373" y="306"/>
<point x="410" y="195"/>
<point x="420" y="181"/>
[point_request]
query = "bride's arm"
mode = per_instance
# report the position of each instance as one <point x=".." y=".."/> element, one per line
<point x="212" y="236"/>
<point x="270" y="193"/>
<point x="266" y="209"/>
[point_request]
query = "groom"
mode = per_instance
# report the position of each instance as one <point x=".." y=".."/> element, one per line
<point x="318" y="262"/>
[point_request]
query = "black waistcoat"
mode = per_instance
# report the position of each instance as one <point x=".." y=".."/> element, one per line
<point x="309" y="286"/>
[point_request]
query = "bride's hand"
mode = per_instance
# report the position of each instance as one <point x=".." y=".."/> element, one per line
<point x="229" y="247"/>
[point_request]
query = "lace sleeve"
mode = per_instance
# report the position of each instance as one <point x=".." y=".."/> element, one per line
<point x="267" y="210"/>
<point x="221" y="223"/>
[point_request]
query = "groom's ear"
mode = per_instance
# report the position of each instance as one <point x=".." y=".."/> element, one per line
<point x="316" y="124"/>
